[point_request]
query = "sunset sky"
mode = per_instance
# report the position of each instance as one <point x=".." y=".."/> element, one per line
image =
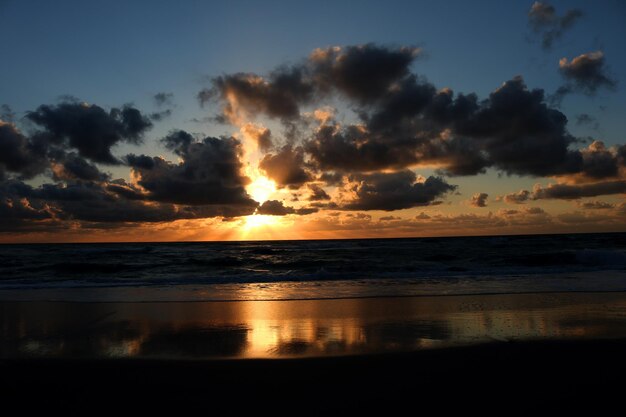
<point x="158" y="121"/>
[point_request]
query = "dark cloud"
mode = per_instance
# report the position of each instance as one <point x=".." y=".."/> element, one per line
<point x="7" y="114"/>
<point x="404" y="120"/>
<point x="209" y="174"/>
<point x="514" y="131"/>
<point x="599" y="162"/>
<point x="479" y="200"/>
<point x="160" y="115"/>
<point x="165" y="102"/>
<point x="520" y="197"/>
<point x="336" y="178"/>
<point x="260" y="135"/>
<point x="286" y="167"/>
<point x="394" y="191"/>
<point x="389" y="218"/>
<point x="178" y="141"/>
<point x="364" y="72"/>
<point x="584" y="119"/>
<point x="534" y="210"/>
<point x="89" y="128"/>
<point x="521" y="134"/>
<point x="72" y="167"/>
<point x="595" y="205"/>
<point x="317" y="193"/>
<point x="163" y="99"/>
<point x="20" y="154"/>
<point x="586" y="73"/>
<point x="95" y="202"/>
<point x="276" y="208"/>
<point x="278" y="96"/>
<point x="575" y="191"/>
<point x="545" y="22"/>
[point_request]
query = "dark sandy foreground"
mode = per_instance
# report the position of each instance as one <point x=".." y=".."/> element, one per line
<point x="515" y="378"/>
<point x="494" y="355"/>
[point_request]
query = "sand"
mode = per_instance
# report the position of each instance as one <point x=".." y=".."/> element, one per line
<point x="496" y="354"/>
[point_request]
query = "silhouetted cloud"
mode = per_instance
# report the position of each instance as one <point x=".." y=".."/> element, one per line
<point x="363" y="73"/>
<point x="89" y="128"/>
<point x="547" y="24"/>
<point x="160" y="115"/>
<point x="209" y="173"/>
<point x="479" y="200"/>
<point x="163" y="99"/>
<point x="586" y="73"/>
<point x="6" y="113"/>
<point x="595" y="205"/>
<point x="276" y="208"/>
<point x="286" y="167"/>
<point x="165" y="102"/>
<point x="317" y="193"/>
<point x="260" y="135"/>
<point x="21" y="154"/>
<point x="584" y="119"/>
<point x="393" y="191"/>
<point x="575" y="191"/>
<point x="72" y="167"/>
<point x="279" y="96"/>
<point x="519" y="197"/>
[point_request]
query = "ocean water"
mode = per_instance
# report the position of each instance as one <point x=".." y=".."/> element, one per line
<point x="313" y="269"/>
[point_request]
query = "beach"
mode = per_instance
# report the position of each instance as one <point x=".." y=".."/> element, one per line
<point x="469" y="352"/>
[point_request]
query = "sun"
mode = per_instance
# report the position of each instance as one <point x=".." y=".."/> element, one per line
<point x="261" y="188"/>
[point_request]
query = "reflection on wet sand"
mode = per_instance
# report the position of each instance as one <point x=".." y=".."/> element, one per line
<point x="263" y="329"/>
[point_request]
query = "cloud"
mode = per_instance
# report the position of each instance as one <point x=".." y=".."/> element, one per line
<point x="479" y="200"/>
<point x="595" y="205"/>
<point x="389" y="218"/>
<point x="599" y="161"/>
<point x="519" y="197"/>
<point x="243" y="94"/>
<point x="276" y="208"/>
<point x="286" y="167"/>
<point x="393" y="191"/>
<point x="163" y="99"/>
<point x="71" y="166"/>
<point x="545" y="22"/>
<point x="259" y="135"/>
<point x="209" y="173"/>
<point x="21" y="154"/>
<point x="91" y="202"/>
<point x="364" y="72"/>
<point x="513" y="130"/>
<point x="586" y="73"/>
<point x="90" y="129"/>
<point x="575" y="191"/>
<point x="403" y="121"/>
<point x="317" y="193"/>
<point x="160" y="115"/>
<point x="584" y="119"/>
<point x="165" y="102"/>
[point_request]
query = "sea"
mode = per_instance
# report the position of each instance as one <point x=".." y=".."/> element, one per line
<point x="313" y="269"/>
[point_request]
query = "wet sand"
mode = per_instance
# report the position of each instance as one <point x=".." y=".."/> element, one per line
<point x="497" y="354"/>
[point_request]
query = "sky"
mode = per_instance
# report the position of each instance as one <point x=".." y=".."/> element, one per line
<point x="160" y="121"/>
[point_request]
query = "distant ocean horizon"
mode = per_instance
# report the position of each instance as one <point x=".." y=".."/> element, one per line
<point x="289" y="269"/>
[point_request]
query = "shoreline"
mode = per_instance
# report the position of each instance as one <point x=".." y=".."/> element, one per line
<point x="354" y="297"/>
<point x="302" y="328"/>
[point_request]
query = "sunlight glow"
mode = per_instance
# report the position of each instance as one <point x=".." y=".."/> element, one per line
<point x="257" y="220"/>
<point x="261" y="188"/>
